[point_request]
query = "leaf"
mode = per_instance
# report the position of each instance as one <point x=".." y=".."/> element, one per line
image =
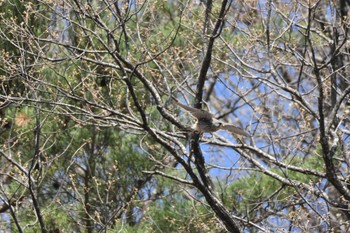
<point x="22" y="120"/>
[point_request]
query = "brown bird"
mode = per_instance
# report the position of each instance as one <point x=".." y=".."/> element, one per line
<point x="206" y="122"/>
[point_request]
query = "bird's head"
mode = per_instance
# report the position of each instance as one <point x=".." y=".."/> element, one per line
<point x="217" y="123"/>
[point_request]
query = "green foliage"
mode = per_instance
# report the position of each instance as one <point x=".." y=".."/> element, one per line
<point x="174" y="213"/>
<point x="249" y="190"/>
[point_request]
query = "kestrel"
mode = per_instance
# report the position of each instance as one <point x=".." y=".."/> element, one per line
<point x="206" y="122"/>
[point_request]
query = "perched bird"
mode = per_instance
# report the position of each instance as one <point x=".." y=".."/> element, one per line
<point x="206" y="122"/>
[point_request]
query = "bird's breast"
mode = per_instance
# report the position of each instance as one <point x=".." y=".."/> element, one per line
<point x="205" y="125"/>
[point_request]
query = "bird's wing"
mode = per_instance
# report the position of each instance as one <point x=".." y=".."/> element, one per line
<point x="197" y="113"/>
<point x="234" y="129"/>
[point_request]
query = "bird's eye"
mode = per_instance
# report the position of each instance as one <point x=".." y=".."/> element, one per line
<point x="219" y="124"/>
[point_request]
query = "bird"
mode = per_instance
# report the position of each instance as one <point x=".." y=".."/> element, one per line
<point x="206" y="122"/>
